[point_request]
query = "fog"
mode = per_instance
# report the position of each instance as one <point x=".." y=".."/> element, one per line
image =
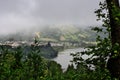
<point x="18" y="15"/>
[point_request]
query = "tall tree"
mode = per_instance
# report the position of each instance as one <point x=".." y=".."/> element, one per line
<point x="114" y="16"/>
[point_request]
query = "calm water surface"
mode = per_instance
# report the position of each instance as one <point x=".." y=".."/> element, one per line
<point x="64" y="57"/>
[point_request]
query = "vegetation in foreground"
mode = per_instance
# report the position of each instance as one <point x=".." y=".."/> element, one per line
<point x="13" y="66"/>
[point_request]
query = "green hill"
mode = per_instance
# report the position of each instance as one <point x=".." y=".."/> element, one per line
<point x="55" y="33"/>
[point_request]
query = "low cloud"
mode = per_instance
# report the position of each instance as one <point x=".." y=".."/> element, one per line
<point x="23" y="14"/>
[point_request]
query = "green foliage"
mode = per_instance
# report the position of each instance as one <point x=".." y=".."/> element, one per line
<point x="82" y="72"/>
<point x="96" y="64"/>
<point x="55" y="71"/>
<point x="14" y="67"/>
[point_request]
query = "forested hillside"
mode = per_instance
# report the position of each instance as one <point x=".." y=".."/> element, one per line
<point x="69" y="33"/>
<point x="32" y="59"/>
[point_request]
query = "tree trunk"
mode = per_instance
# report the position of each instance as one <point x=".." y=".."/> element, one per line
<point x="115" y="26"/>
<point x="114" y="62"/>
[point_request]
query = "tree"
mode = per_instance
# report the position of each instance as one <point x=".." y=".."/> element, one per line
<point x="114" y="16"/>
<point x="106" y="54"/>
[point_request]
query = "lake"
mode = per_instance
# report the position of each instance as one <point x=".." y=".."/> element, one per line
<point x="64" y="57"/>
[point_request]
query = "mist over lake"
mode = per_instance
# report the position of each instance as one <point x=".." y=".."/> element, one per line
<point x="59" y="39"/>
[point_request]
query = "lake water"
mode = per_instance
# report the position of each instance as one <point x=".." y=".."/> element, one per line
<point x="64" y="57"/>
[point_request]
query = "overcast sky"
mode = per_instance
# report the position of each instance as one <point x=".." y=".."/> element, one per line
<point x="20" y="14"/>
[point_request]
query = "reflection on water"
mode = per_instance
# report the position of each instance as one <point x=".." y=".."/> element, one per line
<point x="64" y="57"/>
